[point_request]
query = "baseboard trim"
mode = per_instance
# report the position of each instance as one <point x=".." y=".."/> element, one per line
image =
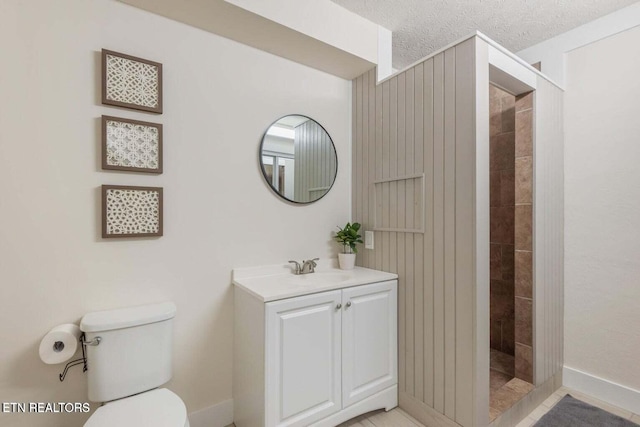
<point x="424" y="413"/>
<point x="218" y="415"/>
<point x="615" y="394"/>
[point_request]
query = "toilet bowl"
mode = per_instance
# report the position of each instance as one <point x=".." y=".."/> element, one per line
<point x="129" y="355"/>
<point x="157" y="408"/>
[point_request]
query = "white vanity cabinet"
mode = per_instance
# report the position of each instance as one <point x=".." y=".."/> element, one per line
<point x="303" y="359"/>
<point x="369" y="340"/>
<point x="316" y="359"/>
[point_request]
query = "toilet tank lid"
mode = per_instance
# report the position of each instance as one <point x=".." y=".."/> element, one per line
<point x="127" y="317"/>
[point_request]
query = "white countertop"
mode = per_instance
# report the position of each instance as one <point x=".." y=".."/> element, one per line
<point x="275" y="282"/>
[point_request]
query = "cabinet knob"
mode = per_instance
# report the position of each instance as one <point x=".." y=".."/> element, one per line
<point x="348" y="304"/>
<point x="339" y="306"/>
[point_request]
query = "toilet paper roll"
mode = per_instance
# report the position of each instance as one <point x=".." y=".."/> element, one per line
<point x="60" y="344"/>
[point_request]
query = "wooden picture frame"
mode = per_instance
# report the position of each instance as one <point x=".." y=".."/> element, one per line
<point x="128" y="208"/>
<point x="131" y="82"/>
<point x="131" y="145"/>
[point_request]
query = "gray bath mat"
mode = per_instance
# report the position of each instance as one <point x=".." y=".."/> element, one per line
<point x="571" y="412"/>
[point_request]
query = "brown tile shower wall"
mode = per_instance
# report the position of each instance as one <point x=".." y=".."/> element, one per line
<point x="523" y="237"/>
<point x="502" y="217"/>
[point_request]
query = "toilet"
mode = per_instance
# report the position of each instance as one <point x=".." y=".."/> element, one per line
<point x="129" y="354"/>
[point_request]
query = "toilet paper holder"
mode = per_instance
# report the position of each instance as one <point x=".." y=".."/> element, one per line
<point x="83" y="360"/>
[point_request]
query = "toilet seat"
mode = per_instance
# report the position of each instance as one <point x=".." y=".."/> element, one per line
<point x="158" y="408"/>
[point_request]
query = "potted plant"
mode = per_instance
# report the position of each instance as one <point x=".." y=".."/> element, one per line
<point x="348" y="237"/>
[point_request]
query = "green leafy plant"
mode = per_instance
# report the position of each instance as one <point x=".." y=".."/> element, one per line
<point x="348" y="237"/>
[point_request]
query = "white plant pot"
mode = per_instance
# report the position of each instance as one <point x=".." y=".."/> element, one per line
<point x="347" y="261"/>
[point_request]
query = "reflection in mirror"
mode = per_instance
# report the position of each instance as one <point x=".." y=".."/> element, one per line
<point x="298" y="159"/>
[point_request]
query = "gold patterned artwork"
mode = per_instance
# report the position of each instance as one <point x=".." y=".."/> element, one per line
<point x="131" y="82"/>
<point x="131" y="211"/>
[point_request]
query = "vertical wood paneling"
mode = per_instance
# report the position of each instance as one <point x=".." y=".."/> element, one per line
<point x="363" y="174"/>
<point x="438" y="233"/>
<point x="428" y="238"/>
<point x="449" y="233"/>
<point x="482" y="235"/>
<point x="464" y="227"/>
<point x="421" y="122"/>
<point x="400" y="203"/>
<point x="386" y="167"/>
<point x="393" y="171"/>
<point x="378" y="166"/>
<point x="549" y="234"/>
<point x="371" y="159"/>
<point x="418" y="238"/>
<point x="408" y="237"/>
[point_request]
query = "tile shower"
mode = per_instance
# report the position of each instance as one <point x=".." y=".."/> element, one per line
<point x="417" y="127"/>
<point x="511" y="297"/>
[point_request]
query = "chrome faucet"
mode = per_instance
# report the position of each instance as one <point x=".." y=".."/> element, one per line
<point x="306" y="267"/>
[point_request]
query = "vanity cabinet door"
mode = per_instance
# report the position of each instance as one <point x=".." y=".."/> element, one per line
<point x="369" y="340"/>
<point x="303" y="359"/>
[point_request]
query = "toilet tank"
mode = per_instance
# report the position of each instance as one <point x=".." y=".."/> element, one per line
<point x="134" y="353"/>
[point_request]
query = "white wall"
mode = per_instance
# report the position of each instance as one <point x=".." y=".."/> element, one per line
<point x="602" y="222"/>
<point x="220" y="97"/>
<point x="323" y="20"/>
<point x="552" y="52"/>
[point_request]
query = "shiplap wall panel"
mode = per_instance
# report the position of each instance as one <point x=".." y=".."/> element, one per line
<point x="408" y="237"/>
<point x="482" y="233"/>
<point x="393" y="171"/>
<point x="378" y="160"/>
<point x="400" y="205"/>
<point x="449" y="233"/>
<point x="386" y="166"/>
<point x="465" y="228"/>
<point x="549" y="231"/>
<point x="418" y="238"/>
<point x="370" y="158"/>
<point x="438" y="233"/>
<point x="422" y="122"/>
<point x="428" y="238"/>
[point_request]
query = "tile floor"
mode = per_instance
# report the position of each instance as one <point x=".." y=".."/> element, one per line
<point x="504" y="389"/>
<point x="398" y="418"/>
<point x="506" y="396"/>
<point x="537" y="413"/>
<point x="394" y="418"/>
<point x="497" y="380"/>
<point x="502" y="362"/>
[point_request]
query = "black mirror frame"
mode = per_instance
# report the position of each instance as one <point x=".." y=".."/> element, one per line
<point x="264" y="172"/>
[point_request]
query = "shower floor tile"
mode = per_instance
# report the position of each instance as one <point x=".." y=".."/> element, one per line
<point x="498" y="379"/>
<point x="506" y="396"/>
<point x="502" y="362"/>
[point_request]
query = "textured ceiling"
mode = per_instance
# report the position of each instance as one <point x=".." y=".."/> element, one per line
<point x="421" y="27"/>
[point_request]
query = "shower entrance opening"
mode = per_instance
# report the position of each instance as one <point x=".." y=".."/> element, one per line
<point x="511" y="248"/>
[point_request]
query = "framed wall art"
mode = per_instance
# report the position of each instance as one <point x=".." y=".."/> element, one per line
<point x="131" y="82"/>
<point x="131" y="145"/>
<point x="131" y="211"/>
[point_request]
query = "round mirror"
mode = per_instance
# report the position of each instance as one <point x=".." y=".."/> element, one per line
<point x="298" y="159"/>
